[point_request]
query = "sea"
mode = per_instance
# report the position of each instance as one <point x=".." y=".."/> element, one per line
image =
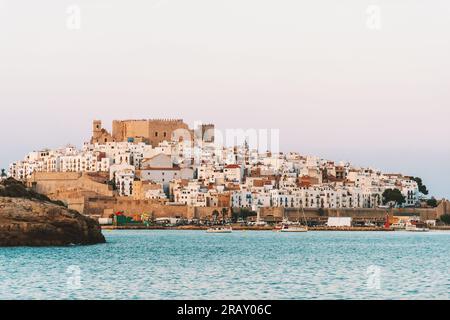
<point x="243" y="265"/>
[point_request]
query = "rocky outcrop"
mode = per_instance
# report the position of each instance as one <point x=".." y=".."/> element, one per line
<point x="27" y="219"/>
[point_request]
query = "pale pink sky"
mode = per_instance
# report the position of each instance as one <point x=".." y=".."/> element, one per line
<point x="313" y="69"/>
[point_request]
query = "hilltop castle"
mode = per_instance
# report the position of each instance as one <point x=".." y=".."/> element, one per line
<point x="152" y="131"/>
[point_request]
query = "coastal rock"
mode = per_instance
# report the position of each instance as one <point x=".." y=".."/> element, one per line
<point x="25" y="222"/>
<point x="31" y="219"/>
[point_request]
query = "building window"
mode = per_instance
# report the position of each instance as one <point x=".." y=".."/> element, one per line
<point x="156" y="134"/>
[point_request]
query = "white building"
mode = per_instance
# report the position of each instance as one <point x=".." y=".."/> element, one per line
<point x="124" y="182"/>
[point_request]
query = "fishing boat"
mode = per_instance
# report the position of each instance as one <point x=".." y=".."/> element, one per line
<point x="220" y="230"/>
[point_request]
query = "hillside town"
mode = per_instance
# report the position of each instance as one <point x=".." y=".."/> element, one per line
<point x="142" y="160"/>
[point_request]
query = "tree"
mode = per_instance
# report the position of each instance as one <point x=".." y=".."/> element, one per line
<point x="215" y="215"/>
<point x="393" y="195"/>
<point x="445" y="218"/>
<point x="3" y="174"/>
<point x="242" y="213"/>
<point x="224" y="214"/>
<point x="234" y="215"/>
<point x="422" y="188"/>
<point x="432" y="202"/>
<point x="112" y="183"/>
<point x="245" y="213"/>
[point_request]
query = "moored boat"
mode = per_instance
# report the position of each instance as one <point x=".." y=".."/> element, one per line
<point x="416" y="226"/>
<point x="293" y="228"/>
<point x="220" y="230"/>
<point x="398" y="226"/>
<point x="288" y="226"/>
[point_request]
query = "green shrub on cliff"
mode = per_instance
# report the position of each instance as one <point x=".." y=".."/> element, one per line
<point x="15" y="189"/>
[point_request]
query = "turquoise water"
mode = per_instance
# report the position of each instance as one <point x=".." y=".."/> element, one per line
<point x="241" y="265"/>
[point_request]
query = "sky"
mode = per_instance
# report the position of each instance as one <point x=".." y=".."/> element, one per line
<point x="354" y="80"/>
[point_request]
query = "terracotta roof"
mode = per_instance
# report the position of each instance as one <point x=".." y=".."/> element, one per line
<point x="232" y="166"/>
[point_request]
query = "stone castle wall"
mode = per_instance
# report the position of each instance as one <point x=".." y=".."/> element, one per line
<point x="53" y="182"/>
<point x="278" y="213"/>
<point x="443" y="208"/>
<point x="70" y="187"/>
<point x="152" y="131"/>
<point x="99" y="134"/>
<point x="105" y="206"/>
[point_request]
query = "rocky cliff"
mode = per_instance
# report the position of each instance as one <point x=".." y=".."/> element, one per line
<point x="30" y="219"/>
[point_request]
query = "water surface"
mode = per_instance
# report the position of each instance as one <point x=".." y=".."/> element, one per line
<point x="241" y="265"/>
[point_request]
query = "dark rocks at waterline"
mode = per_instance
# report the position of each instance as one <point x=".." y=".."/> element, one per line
<point x="30" y="222"/>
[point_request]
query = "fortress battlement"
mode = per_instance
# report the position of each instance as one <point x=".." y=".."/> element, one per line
<point x="167" y="120"/>
<point x="151" y="131"/>
<point x="150" y="120"/>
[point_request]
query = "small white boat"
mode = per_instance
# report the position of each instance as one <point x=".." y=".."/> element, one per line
<point x="293" y="228"/>
<point x="398" y="226"/>
<point x="220" y="230"/>
<point x="288" y="226"/>
<point x="416" y="228"/>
